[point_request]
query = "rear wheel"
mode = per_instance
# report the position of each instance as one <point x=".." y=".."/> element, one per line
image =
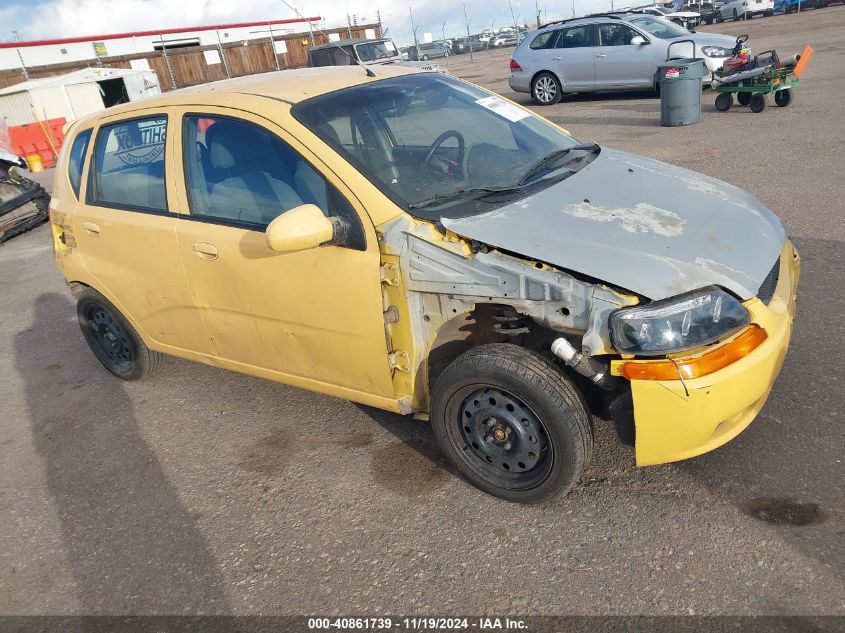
<point x="546" y="89"/>
<point x="724" y="101"/>
<point x="783" y="97"/>
<point x="112" y="338"/>
<point x="757" y="103"/>
<point x="743" y="98"/>
<point x="512" y="423"/>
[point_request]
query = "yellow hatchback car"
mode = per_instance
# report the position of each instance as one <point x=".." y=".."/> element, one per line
<point x="409" y="241"/>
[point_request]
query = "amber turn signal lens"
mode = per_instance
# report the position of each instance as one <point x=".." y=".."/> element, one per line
<point x="741" y="346"/>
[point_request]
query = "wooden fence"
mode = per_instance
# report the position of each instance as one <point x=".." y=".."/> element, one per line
<point x="188" y="66"/>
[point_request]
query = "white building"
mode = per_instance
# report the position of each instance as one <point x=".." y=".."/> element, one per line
<point x="74" y="94"/>
<point x="75" y="49"/>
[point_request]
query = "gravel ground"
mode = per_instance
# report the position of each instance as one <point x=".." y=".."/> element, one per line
<point x="202" y="491"/>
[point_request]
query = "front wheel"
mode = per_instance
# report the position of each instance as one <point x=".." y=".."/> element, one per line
<point x="424" y="58"/>
<point x="546" y="89"/>
<point x="512" y="423"/>
<point x="783" y="97"/>
<point x="724" y="101"/>
<point x="112" y="338"/>
<point x="757" y="103"/>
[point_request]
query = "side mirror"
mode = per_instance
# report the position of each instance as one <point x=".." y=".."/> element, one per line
<point x="301" y="228"/>
<point x="638" y="40"/>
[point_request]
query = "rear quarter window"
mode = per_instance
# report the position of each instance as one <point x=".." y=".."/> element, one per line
<point x="128" y="167"/>
<point x="542" y="40"/>
<point x="76" y="160"/>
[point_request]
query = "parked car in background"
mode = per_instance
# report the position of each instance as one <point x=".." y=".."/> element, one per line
<point x="432" y="50"/>
<point x="505" y="39"/>
<point x="710" y="11"/>
<point x="609" y="52"/>
<point x="686" y="19"/>
<point x="365" y="52"/>
<point x="464" y="45"/>
<point x="746" y="9"/>
<point x="788" y="6"/>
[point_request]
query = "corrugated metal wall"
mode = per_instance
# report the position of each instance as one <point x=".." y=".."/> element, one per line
<point x="15" y="108"/>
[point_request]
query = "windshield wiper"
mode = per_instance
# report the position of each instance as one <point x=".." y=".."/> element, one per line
<point x="547" y="161"/>
<point x="462" y="193"/>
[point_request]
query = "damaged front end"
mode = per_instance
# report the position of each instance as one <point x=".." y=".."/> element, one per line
<point x="444" y="294"/>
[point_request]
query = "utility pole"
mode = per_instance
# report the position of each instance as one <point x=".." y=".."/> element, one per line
<point x="378" y="17"/>
<point x="167" y="62"/>
<point x="469" y="39"/>
<point x="20" y="56"/>
<point x="537" y="11"/>
<point x="414" y="29"/>
<point x="573" y="8"/>
<point x="513" y="17"/>
<point x="222" y="54"/>
<point x="443" y="38"/>
<point x="273" y="46"/>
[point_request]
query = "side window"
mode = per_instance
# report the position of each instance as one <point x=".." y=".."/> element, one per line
<point x="542" y="40"/>
<point x="240" y="173"/>
<point x="77" y="159"/>
<point x="575" y="37"/>
<point x="128" y="168"/>
<point x="616" y="34"/>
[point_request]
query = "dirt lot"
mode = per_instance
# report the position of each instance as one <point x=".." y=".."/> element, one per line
<point x="206" y="491"/>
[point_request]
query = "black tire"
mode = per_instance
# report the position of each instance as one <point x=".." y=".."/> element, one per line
<point x="719" y="18"/>
<point x="724" y="101"/>
<point x="743" y="98"/>
<point x="757" y="103"/>
<point x="546" y="89"/>
<point x="511" y="423"/>
<point x="424" y="58"/>
<point x="112" y="338"/>
<point x="736" y="15"/>
<point x="783" y="97"/>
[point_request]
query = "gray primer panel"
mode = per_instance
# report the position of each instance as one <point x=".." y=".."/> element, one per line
<point x="639" y="224"/>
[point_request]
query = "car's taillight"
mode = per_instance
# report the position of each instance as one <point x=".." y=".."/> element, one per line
<point x="515" y="66"/>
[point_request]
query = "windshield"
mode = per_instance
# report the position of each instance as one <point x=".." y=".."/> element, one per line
<point x="660" y="27"/>
<point x="371" y="51"/>
<point x="431" y="142"/>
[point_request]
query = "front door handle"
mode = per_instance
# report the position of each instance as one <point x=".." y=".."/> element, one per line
<point x="204" y="250"/>
<point x="556" y="59"/>
<point x="91" y="227"/>
<point x="601" y="55"/>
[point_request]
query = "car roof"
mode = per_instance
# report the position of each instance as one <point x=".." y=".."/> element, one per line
<point x="346" y="42"/>
<point x="596" y="18"/>
<point x="290" y="86"/>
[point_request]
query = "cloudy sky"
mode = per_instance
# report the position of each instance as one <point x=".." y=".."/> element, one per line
<point x="42" y="19"/>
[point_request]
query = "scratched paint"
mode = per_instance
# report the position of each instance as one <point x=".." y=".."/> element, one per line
<point x="641" y="218"/>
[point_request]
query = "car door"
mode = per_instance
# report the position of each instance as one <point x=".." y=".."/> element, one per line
<point x="620" y="64"/>
<point x="126" y="232"/>
<point x="572" y="57"/>
<point x="312" y="317"/>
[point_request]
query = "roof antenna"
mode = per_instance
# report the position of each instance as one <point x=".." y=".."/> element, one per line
<point x="366" y="68"/>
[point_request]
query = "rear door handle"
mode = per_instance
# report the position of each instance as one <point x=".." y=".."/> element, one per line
<point x="601" y="55"/>
<point x="556" y="59"/>
<point x="204" y="250"/>
<point x="91" y="227"/>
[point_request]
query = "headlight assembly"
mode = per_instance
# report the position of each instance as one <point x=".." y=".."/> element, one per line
<point x="716" y="51"/>
<point x="677" y="324"/>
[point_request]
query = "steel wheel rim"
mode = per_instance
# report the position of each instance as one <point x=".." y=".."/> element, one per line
<point x="500" y="438"/>
<point x="545" y="89"/>
<point x="110" y="337"/>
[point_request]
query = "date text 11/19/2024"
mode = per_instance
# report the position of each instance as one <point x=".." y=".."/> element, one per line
<point x="416" y="624"/>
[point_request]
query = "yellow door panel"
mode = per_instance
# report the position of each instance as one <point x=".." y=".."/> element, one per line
<point x="314" y="314"/>
<point x="132" y="253"/>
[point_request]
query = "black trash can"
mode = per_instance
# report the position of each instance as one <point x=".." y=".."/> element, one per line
<point x="679" y="82"/>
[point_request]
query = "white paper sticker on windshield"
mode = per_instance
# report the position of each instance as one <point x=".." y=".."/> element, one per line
<point x="503" y="108"/>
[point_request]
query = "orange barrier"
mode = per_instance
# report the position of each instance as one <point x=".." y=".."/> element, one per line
<point x="39" y="138"/>
<point x="802" y="63"/>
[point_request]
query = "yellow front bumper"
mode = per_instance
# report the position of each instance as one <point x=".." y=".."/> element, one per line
<point x="673" y="422"/>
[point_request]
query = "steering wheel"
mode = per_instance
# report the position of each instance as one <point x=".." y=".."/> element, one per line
<point x="444" y="163"/>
